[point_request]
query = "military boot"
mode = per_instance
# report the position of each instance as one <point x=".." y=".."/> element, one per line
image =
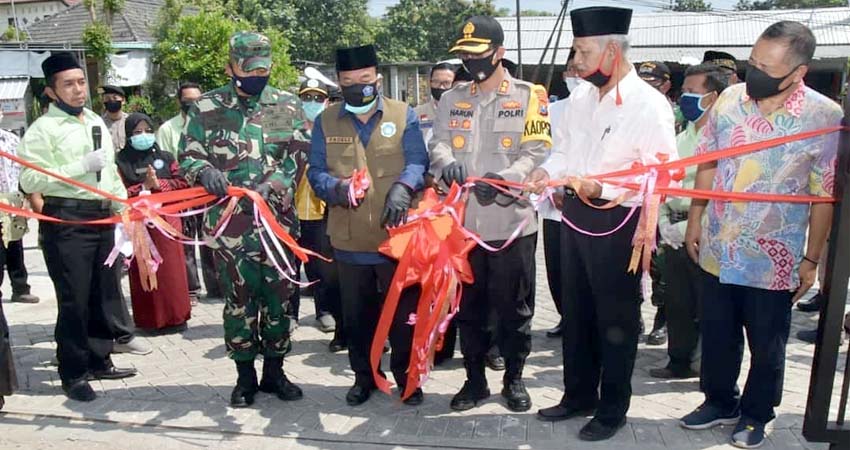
<point x="275" y="382"/>
<point x="513" y="389"/>
<point x="474" y="388"/>
<point x="246" y="385"/>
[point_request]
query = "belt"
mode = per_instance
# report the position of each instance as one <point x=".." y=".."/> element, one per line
<point x="73" y="203"/>
<point x="678" y="216"/>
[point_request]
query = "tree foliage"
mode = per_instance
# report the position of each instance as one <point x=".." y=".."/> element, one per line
<point x="691" y="5"/>
<point x="423" y="30"/>
<point x="744" y="5"/>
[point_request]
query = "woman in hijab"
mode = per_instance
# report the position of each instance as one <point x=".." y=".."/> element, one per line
<point x="145" y="168"/>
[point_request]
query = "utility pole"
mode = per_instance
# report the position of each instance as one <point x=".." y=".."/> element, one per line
<point x="15" y="19"/>
<point x="519" y="40"/>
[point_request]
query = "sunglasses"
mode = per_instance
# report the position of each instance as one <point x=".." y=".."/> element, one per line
<point x="313" y="98"/>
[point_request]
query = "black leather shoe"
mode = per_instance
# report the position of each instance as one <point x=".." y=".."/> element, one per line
<point x="415" y="399"/>
<point x="595" y="430"/>
<point x="657" y="337"/>
<point x="561" y="412"/>
<point x="495" y="362"/>
<point x="111" y="373"/>
<point x="469" y="396"/>
<point x="666" y="373"/>
<point x="79" y="390"/>
<point x="242" y="396"/>
<point x="358" y="394"/>
<point x="283" y="388"/>
<point x="337" y="345"/>
<point x="555" y="332"/>
<point x="810" y="305"/>
<point x="517" y="396"/>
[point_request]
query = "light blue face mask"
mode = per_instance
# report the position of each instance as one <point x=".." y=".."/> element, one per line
<point x="360" y="109"/>
<point x="142" y="142"/>
<point x="312" y="109"/>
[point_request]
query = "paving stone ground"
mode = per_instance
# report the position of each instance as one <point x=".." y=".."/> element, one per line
<point x="180" y="397"/>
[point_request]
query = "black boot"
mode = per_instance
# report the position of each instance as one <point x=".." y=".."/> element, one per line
<point x="275" y="382"/>
<point x="474" y="389"/>
<point x="246" y="385"/>
<point x="513" y="389"/>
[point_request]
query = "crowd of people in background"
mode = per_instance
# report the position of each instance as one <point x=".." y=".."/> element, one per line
<point x="721" y="269"/>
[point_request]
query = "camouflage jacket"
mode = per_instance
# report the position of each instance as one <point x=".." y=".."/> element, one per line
<point x="252" y="141"/>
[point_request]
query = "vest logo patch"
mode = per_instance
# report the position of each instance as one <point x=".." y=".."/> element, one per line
<point x="388" y="129"/>
<point x="454" y="123"/>
<point x="467" y="124"/>
<point x="339" y="140"/>
<point x="458" y="142"/>
<point x="507" y="142"/>
<point x="513" y="104"/>
<point x="463" y="105"/>
<point x="158" y="164"/>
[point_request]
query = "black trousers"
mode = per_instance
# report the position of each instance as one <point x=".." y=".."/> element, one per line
<point x="552" y="255"/>
<point x="727" y="311"/>
<point x="681" y="306"/>
<point x="8" y="376"/>
<point x="86" y="289"/>
<point x="601" y="312"/>
<point x="117" y="313"/>
<point x="365" y="287"/>
<point x="14" y="262"/>
<point x="504" y="285"/>
<point x="326" y="295"/>
<point x="193" y="228"/>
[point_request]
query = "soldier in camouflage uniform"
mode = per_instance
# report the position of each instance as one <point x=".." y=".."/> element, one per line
<point x="243" y="134"/>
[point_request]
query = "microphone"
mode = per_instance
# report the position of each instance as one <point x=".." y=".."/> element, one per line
<point x="96" y="136"/>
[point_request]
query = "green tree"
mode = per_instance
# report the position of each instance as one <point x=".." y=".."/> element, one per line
<point x="424" y="30"/>
<point x="745" y="5"/>
<point x="196" y="48"/>
<point x="534" y="13"/>
<point x="691" y="5"/>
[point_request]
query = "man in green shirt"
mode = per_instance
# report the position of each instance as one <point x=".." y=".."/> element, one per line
<point x="676" y="277"/>
<point x="64" y="142"/>
<point x="169" y="134"/>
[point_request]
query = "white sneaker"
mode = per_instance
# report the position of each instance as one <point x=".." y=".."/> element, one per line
<point x="133" y="347"/>
<point x="327" y="324"/>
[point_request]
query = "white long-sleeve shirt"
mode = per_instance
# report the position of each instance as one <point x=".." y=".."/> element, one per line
<point x="598" y="136"/>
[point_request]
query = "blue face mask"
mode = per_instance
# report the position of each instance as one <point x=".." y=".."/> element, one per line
<point x="142" y="142"/>
<point x="313" y="109"/>
<point x="691" y="107"/>
<point x="360" y="109"/>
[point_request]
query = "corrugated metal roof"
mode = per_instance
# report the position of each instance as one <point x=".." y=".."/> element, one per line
<point x="13" y="88"/>
<point x="667" y="36"/>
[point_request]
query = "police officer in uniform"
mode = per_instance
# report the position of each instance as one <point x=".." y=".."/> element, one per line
<point x="495" y="127"/>
<point x="242" y="134"/>
<point x="441" y="80"/>
<point x="372" y="132"/>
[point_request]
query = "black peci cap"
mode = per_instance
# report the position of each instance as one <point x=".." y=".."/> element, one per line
<point x="478" y="34"/>
<point x="110" y="89"/>
<point x="356" y="58"/>
<point x="721" y="59"/>
<point x="600" y="21"/>
<point x="59" y="62"/>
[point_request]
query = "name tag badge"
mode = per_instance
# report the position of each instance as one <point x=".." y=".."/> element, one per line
<point x="339" y="140"/>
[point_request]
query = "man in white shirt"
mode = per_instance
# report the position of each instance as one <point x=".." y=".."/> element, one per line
<point x="611" y="123"/>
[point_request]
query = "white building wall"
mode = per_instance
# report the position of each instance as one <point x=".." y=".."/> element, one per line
<point x="28" y="13"/>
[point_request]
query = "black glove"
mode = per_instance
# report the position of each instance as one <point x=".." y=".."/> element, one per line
<point x="214" y="181"/>
<point x="399" y="199"/>
<point x="454" y="172"/>
<point x="486" y="193"/>
<point x="265" y="189"/>
<point x="341" y="190"/>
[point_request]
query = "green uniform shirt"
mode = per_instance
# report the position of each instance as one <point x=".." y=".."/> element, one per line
<point x="686" y="144"/>
<point x="169" y="134"/>
<point x="58" y="142"/>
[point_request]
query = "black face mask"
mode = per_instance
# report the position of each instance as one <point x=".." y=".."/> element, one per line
<point x="112" y="106"/>
<point x="185" y="106"/>
<point x="597" y="78"/>
<point x="760" y="85"/>
<point x="68" y="109"/>
<point x="481" y="69"/>
<point x="360" y="94"/>
<point x="437" y="93"/>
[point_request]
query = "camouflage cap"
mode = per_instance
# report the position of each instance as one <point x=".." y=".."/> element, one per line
<point x="251" y="50"/>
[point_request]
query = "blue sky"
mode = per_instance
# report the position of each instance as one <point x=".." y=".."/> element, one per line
<point x="377" y="7"/>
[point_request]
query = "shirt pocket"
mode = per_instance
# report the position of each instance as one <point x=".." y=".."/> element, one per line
<point x="506" y="137"/>
<point x="388" y="160"/>
<point x="461" y="141"/>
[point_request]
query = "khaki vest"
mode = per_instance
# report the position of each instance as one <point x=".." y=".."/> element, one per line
<point x="359" y="229"/>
